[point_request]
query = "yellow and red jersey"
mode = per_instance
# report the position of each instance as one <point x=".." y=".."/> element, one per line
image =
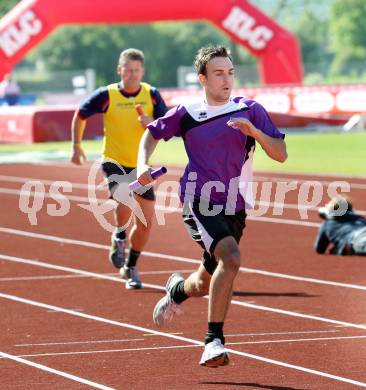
<point x="122" y="130"/>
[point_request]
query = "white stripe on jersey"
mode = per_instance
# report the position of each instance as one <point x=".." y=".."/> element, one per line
<point x="205" y="237"/>
<point x="200" y="111"/>
<point x="246" y="180"/>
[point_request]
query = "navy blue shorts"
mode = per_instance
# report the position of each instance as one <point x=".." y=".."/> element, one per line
<point x="116" y="174"/>
<point x="207" y="230"/>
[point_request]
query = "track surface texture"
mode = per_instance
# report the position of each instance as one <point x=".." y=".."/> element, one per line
<point x="297" y="319"/>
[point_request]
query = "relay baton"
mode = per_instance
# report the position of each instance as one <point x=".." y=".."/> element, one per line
<point x="139" y="109"/>
<point x="135" y="185"/>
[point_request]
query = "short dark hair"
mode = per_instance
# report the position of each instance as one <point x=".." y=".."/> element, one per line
<point x="206" y="54"/>
<point x="131" y="55"/>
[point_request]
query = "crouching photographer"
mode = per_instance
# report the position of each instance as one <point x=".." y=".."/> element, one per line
<point x="343" y="232"/>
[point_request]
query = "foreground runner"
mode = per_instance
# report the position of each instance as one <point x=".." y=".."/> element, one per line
<point x="219" y="134"/>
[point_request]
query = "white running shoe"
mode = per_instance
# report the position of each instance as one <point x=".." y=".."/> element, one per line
<point x="166" y="308"/>
<point x="214" y="355"/>
<point x="132" y="278"/>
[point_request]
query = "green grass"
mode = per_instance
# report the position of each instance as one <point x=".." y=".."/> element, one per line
<point x="327" y="153"/>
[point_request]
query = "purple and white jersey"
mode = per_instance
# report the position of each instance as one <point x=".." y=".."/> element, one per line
<point x="219" y="169"/>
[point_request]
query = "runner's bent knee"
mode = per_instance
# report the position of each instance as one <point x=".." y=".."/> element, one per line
<point x="228" y="252"/>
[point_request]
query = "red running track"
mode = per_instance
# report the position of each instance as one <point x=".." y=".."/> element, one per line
<point x="297" y="320"/>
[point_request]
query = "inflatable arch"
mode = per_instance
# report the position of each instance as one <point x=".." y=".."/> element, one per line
<point x="30" y="21"/>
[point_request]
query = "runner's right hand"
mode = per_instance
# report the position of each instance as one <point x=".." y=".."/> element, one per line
<point x="78" y="156"/>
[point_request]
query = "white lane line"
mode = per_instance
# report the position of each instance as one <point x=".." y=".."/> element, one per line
<point x="284" y="221"/>
<point x="303" y="279"/>
<point x="170" y="210"/>
<point x="79" y="342"/>
<point x="184" y="339"/>
<point x="53" y="238"/>
<point x="50" y="277"/>
<point x="188" y="346"/>
<point x="154" y="335"/>
<point x="128" y="340"/>
<point x="294" y="340"/>
<point x="48" y="196"/>
<point x="53" y="371"/>
<point x="31" y="278"/>
<point x="280" y="333"/>
<point x="295" y="314"/>
<point x="110" y="351"/>
<point x="171" y="172"/>
<point x="179" y="170"/>
<point x="180" y="259"/>
<point x="258" y="271"/>
<point x="82" y="186"/>
<point x="83" y="199"/>
<point x="162" y="288"/>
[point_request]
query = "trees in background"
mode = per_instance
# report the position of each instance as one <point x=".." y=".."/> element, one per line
<point x="332" y="34"/>
<point x="6" y="5"/>
<point x="311" y="30"/>
<point x="166" y="46"/>
<point x="347" y="28"/>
